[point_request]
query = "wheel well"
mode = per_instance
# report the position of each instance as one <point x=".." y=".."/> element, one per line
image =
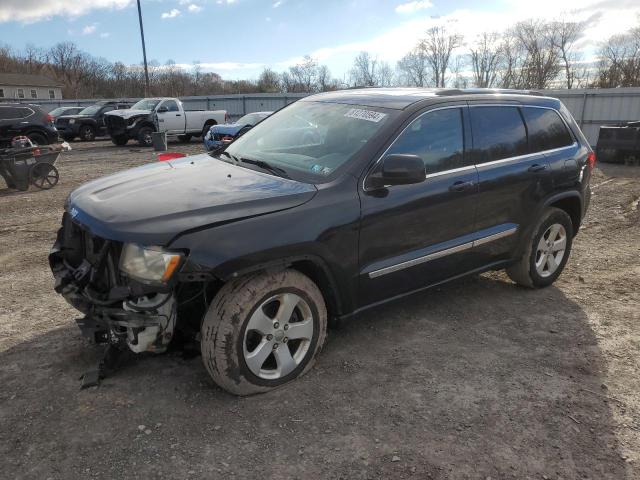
<point x="324" y="282"/>
<point x="207" y="125"/>
<point x="572" y="206"/>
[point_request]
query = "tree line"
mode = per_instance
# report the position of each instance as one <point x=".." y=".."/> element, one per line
<point x="532" y="54"/>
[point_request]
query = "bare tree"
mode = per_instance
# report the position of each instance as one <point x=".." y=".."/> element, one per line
<point x="565" y="35"/>
<point x="487" y="59"/>
<point x="305" y="74"/>
<point x="619" y="64"/>
<point x="537" y="41"/>
<point x="269" y="81"/>
<point x="413" y="68"/>
<point x="364" y="72"/>
<point x="438" y="46"/>
<point x="459" y="79"/>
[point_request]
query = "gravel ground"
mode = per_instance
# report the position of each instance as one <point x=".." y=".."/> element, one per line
<point x="474" y="379"/>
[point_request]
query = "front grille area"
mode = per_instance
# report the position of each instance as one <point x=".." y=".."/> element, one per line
<point x="62" y="122"/>
<point x="115" y="123"/>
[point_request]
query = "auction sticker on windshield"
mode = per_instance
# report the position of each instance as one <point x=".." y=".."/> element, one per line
<point x="368" y="115"/>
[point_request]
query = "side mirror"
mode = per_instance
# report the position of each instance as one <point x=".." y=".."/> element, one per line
<point x="397" y="169"/>
<point x="162" y="110"/>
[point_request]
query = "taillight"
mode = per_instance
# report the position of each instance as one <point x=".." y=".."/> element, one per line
<point x="49" y="118"/>
<point x="591" y="160"/>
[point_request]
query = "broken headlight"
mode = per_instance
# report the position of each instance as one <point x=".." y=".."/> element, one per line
<point x="148" y="264"/>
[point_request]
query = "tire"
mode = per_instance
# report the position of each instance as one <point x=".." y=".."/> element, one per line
<point x="184" y="138"/>
<point x="38" y="138"/>
<point x="207" y="126"/>
<point x="87" y="133"/>
<point x="144" y="137"/>
<point x="120" y="141"/>
<point x="229" y="337"/>
<point x="532" y="270"/>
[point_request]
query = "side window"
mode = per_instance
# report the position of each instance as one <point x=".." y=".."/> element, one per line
<point x="20" y="93"/>
<point x="546" y="129"/>
<point x="436" y="137"/>
<point x="498" y="133"/>
<point x="107" y="109"/>
<point x="12" y="113"/>
<point x="171" y="105"/>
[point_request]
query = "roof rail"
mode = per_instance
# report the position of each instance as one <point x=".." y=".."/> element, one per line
<point x="488" y="91"/>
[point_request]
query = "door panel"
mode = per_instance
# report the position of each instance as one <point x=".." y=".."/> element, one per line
<point x="415" y="235"/>
<point x="171" y="121"/>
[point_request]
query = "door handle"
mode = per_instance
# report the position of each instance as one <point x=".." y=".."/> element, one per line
<point x="178" y="115"/>
<point x="460" y="186"/>
<point x="536" y="168"/>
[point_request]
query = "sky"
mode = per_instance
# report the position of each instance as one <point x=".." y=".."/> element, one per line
<point x="238" y="38"/>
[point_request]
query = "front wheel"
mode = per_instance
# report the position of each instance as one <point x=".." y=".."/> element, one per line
<point x="145" y="139"/>
<point x="262" y="331"/>
<point x="547" y="251"/>
<point x="87" y="133"/>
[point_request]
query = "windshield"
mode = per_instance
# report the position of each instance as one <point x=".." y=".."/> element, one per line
<point x="56" y="112"/>
<point x="310" y="140"/>
<point x="251" y="119"/>
<point x="93" y="109"/>
<point x="146" y="104"/>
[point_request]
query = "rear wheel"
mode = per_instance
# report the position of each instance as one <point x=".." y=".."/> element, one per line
<point x="87" y="133"/>
<point x="262" y="331"/>
<point x="547" y="251"/>
<point x="120" y="141"/>
<point x="144" y="136"/>
<point x="206" y="127"/>
<point x="38" y="138"/>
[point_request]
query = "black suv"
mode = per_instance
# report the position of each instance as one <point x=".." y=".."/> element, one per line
<point x="88" y="123"/>
<point x="20" y="119"/>
<point x="335" y="204"/>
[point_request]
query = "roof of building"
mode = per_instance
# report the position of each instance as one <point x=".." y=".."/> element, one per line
<point x="400" y="98"/>
<point x="27" y="80"/>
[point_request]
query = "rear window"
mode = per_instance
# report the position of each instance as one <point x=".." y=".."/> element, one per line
<point x="546" y="129"/>
<point x="498" y="133"/>
<point x="11" y="113"/>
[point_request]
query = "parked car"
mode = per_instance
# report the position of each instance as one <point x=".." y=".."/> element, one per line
<point x="58" y="112"/>
<point x="21" y="119"/>
<point x="161" y="115"/>
<point x="220" y="135"/>
<point x="251" y="251"/>
<point x="89" y="123"/>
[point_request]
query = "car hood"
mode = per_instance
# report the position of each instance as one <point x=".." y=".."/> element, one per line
<point x="128" y="113"/>
<point x="152" y="204"/>
<point x="76" y="116"/>
<point x="228" y="129"/>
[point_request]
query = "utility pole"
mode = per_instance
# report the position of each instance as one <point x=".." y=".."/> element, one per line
<point x="144" y="52"/>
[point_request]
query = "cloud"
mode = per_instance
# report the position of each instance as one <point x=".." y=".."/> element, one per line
<point x="225" y="2"/>
<point x="277" y="4"/>
<point x="193" y="8"/>
<point x="89" y="29"/>
<point x="228" y="66"/>
<point x="412" y="7"/>
<point x="105" y="35"/>
<point x="172" y="14"/>
<point x="30" y="11"/>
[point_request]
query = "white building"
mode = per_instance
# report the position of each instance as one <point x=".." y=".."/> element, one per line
<point x="20" y="86"/>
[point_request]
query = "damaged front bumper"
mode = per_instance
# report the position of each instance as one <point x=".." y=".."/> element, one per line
<point x="116" y="309"/>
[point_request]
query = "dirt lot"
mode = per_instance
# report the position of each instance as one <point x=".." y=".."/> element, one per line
<point x="475" y="379"/>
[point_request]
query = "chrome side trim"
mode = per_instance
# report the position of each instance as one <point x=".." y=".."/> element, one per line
<point x="419" y="260"/>
<point x="442" y="253"/>
<point x="454" y="170"/>
<point x="523" y="157"/>
<point x="495" y="236"/>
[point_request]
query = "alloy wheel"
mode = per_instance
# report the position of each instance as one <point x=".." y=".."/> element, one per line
<point x="551" y="249"/>
<point x="278" y="336"/>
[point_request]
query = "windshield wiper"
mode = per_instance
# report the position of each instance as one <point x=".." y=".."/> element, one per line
<point x="266" y="166"/>
<point x="234" y="159"/>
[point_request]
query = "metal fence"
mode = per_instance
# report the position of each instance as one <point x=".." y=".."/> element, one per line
<point x="590" y="107"/>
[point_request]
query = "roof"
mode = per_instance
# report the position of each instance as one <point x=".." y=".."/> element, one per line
<point x="400" y="98"/>
<point x="27" y="80"/>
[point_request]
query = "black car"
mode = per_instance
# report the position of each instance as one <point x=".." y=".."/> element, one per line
<point x="89" y="122"/>
<point x="333" y="205"/>
<point x="20" y="119"/>
<point x="58" y="112"/>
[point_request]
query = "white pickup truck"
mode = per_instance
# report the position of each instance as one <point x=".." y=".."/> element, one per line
<point x="160" y="115"/>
